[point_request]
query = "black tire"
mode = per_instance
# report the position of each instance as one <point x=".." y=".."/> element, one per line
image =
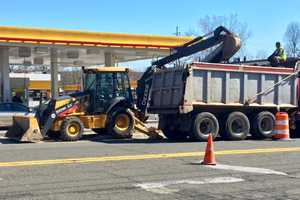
<point x="296" y="133"/>
<point x="120" y="123"/>
<point x="263" y="125"/>
<point x="71" y="129"/>
<point x="237" y="126"/>
<point x="204" y="124"/>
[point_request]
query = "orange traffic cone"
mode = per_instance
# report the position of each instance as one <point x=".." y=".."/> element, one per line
<point x="209" y="157"/>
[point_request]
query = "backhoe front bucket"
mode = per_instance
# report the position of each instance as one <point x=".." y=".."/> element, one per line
<point x="152" y="132"/>
<point x="25" y="129"/>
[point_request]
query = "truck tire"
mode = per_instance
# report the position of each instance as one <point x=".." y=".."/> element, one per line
<point x="120" y="123"/>
<point x="263" y="125"/>
<point x="237" y="126"/>
<point x="71" y="129"/>
<point x="297" y="135"/>
<point x="204" y="124"/>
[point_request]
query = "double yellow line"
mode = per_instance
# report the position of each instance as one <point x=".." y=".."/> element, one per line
<point x="143" y="157"/>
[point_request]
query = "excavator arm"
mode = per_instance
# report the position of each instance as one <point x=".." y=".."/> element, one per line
<point x="225" y="45"/>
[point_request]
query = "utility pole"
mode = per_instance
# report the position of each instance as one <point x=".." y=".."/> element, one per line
<point x="177" y="33"/>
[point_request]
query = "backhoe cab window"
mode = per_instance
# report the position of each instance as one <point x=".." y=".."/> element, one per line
<point x="108" y="85"/>
<point x="105" y="85"/>
<point x="90" y="82"/>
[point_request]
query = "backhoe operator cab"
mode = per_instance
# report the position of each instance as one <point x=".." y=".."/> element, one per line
<point x="108" y="87"/>
<point x="103" y="106"/>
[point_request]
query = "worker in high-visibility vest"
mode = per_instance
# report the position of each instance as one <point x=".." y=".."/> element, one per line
<point x="278" y="57"/>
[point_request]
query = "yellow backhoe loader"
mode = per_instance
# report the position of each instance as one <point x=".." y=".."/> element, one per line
<point x="106" y="104"/>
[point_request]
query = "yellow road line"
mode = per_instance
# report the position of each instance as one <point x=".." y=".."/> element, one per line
<point x="143" y="157"/>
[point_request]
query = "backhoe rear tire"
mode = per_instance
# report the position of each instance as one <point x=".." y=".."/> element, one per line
<point x="71" y="129"/>
<point x="120" y="123"/>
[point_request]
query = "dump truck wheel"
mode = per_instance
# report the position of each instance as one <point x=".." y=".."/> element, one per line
<point x="204" y="124"/>
<point x="263" y="125"/>
<point x="296" y="132"/>
<point x="237" y="126"/>
<point x="71" y="129"/>
<point x="121" y="123"/>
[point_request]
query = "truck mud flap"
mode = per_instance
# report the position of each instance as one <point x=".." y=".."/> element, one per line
<point x="25" y="129"/>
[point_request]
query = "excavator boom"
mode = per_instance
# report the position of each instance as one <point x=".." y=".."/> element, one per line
<point x="225" y="45"/>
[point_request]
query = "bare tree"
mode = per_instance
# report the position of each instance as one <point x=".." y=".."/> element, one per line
<point x="292" y="39"/>
<point x="209" y="23"/>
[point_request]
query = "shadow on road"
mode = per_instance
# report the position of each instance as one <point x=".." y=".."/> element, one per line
<point x="108" y="139"/>
<point x="8" y="141"/>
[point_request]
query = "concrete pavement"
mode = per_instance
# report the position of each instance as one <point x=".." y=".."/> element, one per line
<point x="160" y="177"/>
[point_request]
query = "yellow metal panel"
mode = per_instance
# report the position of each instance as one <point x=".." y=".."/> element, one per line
<point x="108" y="69"/>
<point x="133" y="84"/>
<point x="60" y="103"/>
<point x="39" y="85"/>
<point x="74" y="87"/>
<point x="68" y="37"/>
<point x="94" y="121"/>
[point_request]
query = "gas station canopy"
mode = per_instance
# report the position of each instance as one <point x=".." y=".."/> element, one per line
<point x="30" y="46"/>
<point x="68" y="48"/>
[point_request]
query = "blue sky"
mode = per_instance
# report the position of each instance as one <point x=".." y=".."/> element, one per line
<point x="267" y="19"/>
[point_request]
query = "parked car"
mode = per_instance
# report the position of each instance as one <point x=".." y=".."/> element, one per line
<point x="8" y="110"/>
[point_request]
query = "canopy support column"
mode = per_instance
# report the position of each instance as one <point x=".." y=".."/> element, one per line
<point x="109" y="59"/>
<point x="54" y="73"/>
<point x="5" y="80"/>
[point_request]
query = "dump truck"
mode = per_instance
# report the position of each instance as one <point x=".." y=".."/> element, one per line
<point x="233" y="101"/>
<point x="106" y="103"/>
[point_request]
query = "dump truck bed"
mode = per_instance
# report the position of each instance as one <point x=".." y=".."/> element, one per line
<point x="181" y="89"/>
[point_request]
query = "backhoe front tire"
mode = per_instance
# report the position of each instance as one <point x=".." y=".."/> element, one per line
<point x="120" y="123"/>
<point x="71" y="129"/>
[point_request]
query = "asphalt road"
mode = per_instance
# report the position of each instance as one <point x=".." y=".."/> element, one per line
<point x="101" y="168"/>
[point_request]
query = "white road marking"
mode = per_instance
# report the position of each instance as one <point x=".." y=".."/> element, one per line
<point x="248" y="169"/>
<point x="161" y="187"/>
